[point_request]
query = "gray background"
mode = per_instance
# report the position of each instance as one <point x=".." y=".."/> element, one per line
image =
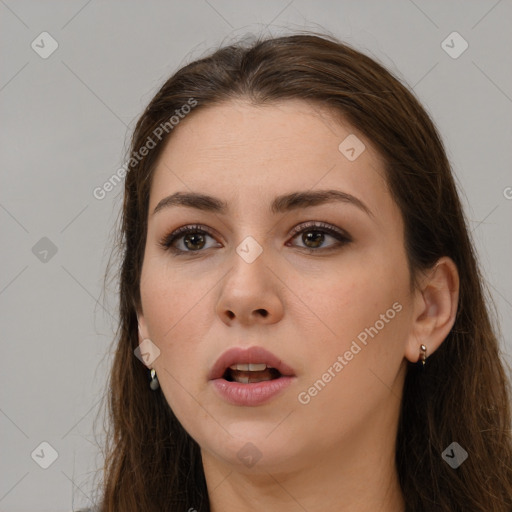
<point x="65" y="125"/>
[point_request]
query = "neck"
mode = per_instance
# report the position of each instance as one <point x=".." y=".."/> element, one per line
<point x="349" y="479"/>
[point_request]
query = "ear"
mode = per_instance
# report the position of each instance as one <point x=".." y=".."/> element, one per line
<point x="143" y="330"/>
<point x="435" y="308"/>
<point x="143" y="335"/>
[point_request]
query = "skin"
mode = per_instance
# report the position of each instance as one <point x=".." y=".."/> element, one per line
<point x="337" y="451"/>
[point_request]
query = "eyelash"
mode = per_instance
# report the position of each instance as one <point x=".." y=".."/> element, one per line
<point x="321" y="227"/>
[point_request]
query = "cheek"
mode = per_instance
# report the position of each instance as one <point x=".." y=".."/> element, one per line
<point x="171" y="309"/>
<point x="353" y="298"/>
<point x="171" y="316"/>
<point x="350" y="376"/>
<point x="359" y="311"/>
<point x="169" y="295"/>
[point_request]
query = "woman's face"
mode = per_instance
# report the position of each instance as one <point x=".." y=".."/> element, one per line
<point x="320" y="281"/>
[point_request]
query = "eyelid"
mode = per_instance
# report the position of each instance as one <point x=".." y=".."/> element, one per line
<point x="343" y="237"/>
<point x="169" y="238"/>
<point x="321" y="226"/>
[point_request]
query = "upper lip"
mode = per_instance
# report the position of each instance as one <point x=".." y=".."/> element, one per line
<point x="248" y="355"/>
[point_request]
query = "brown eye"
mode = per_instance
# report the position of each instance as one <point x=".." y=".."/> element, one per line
<point x="187" y="239"/>
<point x="314" y="235"/>
<point x="194" y="241"/>
<point x="313" y="238"/>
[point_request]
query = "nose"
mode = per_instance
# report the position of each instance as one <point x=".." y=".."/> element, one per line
<point x="250" y="293"/>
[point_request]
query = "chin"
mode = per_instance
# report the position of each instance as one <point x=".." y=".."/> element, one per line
<point x="254" y="448"/>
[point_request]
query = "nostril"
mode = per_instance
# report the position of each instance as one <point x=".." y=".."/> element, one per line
<point x="263" y="312"/>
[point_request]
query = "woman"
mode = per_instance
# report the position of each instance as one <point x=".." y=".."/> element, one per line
<point x="302" y="298"/>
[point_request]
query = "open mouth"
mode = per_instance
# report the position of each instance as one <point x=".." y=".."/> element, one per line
<point x="251" y="372"/>
<point x="251" y="376"/>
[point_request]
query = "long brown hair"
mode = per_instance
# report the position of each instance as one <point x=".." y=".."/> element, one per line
<point x="463" y="395"/>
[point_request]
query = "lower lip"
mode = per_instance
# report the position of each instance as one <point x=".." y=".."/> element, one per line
<point x="252" y="394"/>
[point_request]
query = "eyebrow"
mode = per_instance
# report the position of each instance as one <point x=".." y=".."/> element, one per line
<point x="280" y="204"/>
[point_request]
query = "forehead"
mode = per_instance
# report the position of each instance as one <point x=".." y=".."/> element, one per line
<point x="239" y="150"/>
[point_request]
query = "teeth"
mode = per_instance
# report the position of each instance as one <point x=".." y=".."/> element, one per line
<point x="240" y="366"/>
<point x="249" y="367"/>
<point x="249" y="379"/>
<point x="257" y="367"/>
